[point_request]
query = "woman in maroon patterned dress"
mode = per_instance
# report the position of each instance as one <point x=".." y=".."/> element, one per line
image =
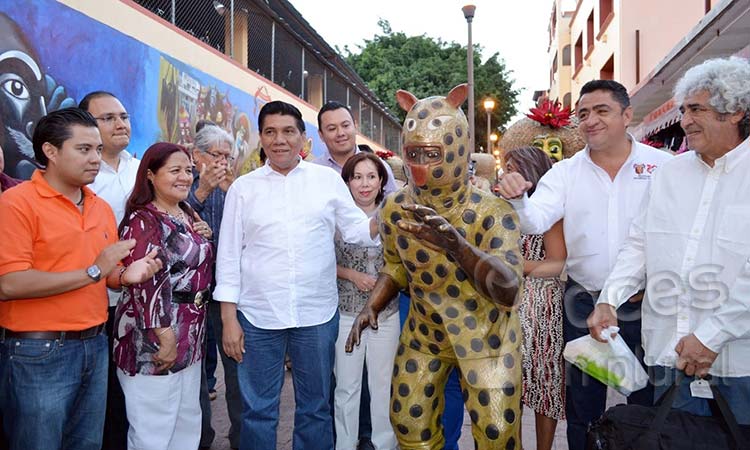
<point x="159" y="324"/>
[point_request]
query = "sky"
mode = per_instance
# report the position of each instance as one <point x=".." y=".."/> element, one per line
<point x="517" y="30"/>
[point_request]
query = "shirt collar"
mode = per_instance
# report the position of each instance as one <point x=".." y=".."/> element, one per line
<point x="327" y="156"/>
<point x="736" y="155"/>
<point x="267" y="170"/>
<point x="634" y="148"/>
<point x="44" y="189"/>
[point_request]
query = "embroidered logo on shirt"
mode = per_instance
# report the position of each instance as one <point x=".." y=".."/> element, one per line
<point x="643" y="171"/>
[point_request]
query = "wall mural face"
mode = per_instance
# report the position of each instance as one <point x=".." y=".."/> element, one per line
<point x="51" y="56"/>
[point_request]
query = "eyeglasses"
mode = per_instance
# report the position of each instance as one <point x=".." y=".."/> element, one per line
<point x="218" y="156"/>
<point x="110" y="119"/>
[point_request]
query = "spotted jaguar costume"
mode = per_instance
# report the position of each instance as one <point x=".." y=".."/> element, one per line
<point x="456" y="249"/>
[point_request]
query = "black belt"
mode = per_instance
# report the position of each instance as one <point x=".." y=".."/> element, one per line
<point x="197" y="298"/>
<point x="88" y="333"/>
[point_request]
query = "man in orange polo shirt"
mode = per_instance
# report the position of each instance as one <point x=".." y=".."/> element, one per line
<point x="59" y="252"/>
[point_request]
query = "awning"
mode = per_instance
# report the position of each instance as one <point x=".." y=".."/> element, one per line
<point x="724" y="31"/>
<point x="662" y="117"/>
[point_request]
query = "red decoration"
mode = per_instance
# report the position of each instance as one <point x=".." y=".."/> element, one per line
<point x="384" y="154"/>
<point x="551" y="114"/>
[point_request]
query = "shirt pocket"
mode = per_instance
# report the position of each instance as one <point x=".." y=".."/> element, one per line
<point x="734" y="229"/>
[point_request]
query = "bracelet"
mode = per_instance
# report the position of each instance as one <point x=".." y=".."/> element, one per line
<point x="119" y="278"/>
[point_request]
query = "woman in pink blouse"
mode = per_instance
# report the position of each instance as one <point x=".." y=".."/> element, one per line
<point x="159" y="324"/>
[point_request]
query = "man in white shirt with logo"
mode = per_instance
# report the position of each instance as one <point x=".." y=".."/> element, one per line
<point x="113" y="183"/>
<point x="691" y="243"/>
<point x="276" y="279"/>
<point x="597" y="193"/>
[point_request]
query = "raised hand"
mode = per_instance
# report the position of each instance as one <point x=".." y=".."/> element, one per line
<point x="430" y="228"/>
<point x="512" y="185"/>
<point x="142" y="269"/>
<point x="112" y="254"/>
<point x="201" y="227"/>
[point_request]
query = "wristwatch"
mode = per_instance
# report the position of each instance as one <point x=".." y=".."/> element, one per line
<point x="94" y="272"/>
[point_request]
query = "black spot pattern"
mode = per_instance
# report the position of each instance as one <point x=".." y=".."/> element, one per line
<point x="509" y="415"/>
<point x="448" y="139"/>
<point x="436" y="192"/>
<point x="496" y="242"/>
<point x="399" y="198"/>
<point x="410" y="266"/>
<point x="494" y="315"/>
<point x="453" y="291"/>
<point x="453" y="329"/>
<point x="471" y="377"/>
<point x="436" y="318"/>
<point x="437" y="173"/>
<point x="475" y="198"/>
<point x="461" y="150"/>
<point x="512" y="336"/>
<point x="418" y="292"/>
<point x="511" y="257"/>
<point x="478" y="238"/>
<point x="439" y="336"/>
<point x="509" y="389"/>
<point x="412" y="324"/>
<point x="471" y="304"/>
<point x="422" y="256"/>
<point x="493" y="341"/>
<point x="434" y="349"/>
<point x="441" y="271"/>
<point x="457" y="172"/>
<point x="436" y="104"/>
<point x="387" y="229"/>
<point x="460" y="351"/>
<point x="470" y="322"/>
<point x="423" y="113"/>
<point x="402" y="429"/>
<point x="395" y="370"/>
<point x="395" y="216"/>
<point x="420" y="308"/>
<point x="436" y="122"/>
<point x="492" y="432"/>
<point x="402" y="242"/>
<point x="460" y="275"/>
<point x="403" y="390"/>
<point x="459" y="131"/>
<point x="449" y="157"/>
<point x="483" y="397"/>
<point x="477" y="345"/>
<point x="511" y="444"/>
<point x="508" y="361"/>
<point x="488" y="222"/>
<point x="451" y="312"/>
<point x="415" y="411"/>
<point x="425" y="435"/>
<point x="411" y="366"/>
<point x="474" y="416"/>
<point x="400" y="350"/>
<point x="435" y="298"/>
<point x="426" y="277"/>
<point x="456" y="186"/>
<point x="423" y="329"/>
<point x="434" y="365"/>
<point x="429" y="390"/>
<point x="462" y="232"/>
<point x="469" y="216"/>
<point x="448" y="203"/>
<point x="415" y="344"/>
<point x="508" y="222"/>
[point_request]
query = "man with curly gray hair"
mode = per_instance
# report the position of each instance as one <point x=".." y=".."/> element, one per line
<point x="692" y="243"/>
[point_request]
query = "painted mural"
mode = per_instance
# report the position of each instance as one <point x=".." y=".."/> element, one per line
<point x="52" y="55"/>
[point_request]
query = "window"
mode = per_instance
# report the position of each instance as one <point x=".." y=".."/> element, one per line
<point x="606" y="14"/>
<point x="579" y="53"/>
<point x="607" y="71"/>
<point x="566" y="55"/>
<point x="590" y="34"/>
<point x="566" y="100"/>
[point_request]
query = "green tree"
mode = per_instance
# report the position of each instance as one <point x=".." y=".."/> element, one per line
<point x="428" y="66"/>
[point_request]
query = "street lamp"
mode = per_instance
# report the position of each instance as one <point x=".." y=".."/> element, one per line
<point x="468" y="11"/>
<point x="489" y="105"/>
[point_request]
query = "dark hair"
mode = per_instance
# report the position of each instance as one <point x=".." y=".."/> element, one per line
<point x="531" y="162"/>
<point x="618" y="91"/>
<point x="199" y="125"/>
<point x="284" y="109"/>
<point x="55" y="128"/>
<point x="84" y="103"/>
<point x="347" y="172"/>
<point x="333" y="106"/>
<point x="143" y="190"/>
<point x="262" y="155"/>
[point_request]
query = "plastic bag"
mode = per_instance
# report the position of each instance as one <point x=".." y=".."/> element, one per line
<point x="612" y="363"/>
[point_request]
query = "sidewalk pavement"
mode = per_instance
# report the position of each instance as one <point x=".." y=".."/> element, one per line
<point x="220" y="420"/>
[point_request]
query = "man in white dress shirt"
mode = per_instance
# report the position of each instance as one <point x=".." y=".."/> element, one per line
<point x="113" y="183"/>
<point x="692" y="243"/>
<point x="276" y="279"/>
<point x="597" y="193"/>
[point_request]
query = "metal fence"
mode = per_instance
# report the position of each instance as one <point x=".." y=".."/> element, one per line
<point x="271" y="39"/>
